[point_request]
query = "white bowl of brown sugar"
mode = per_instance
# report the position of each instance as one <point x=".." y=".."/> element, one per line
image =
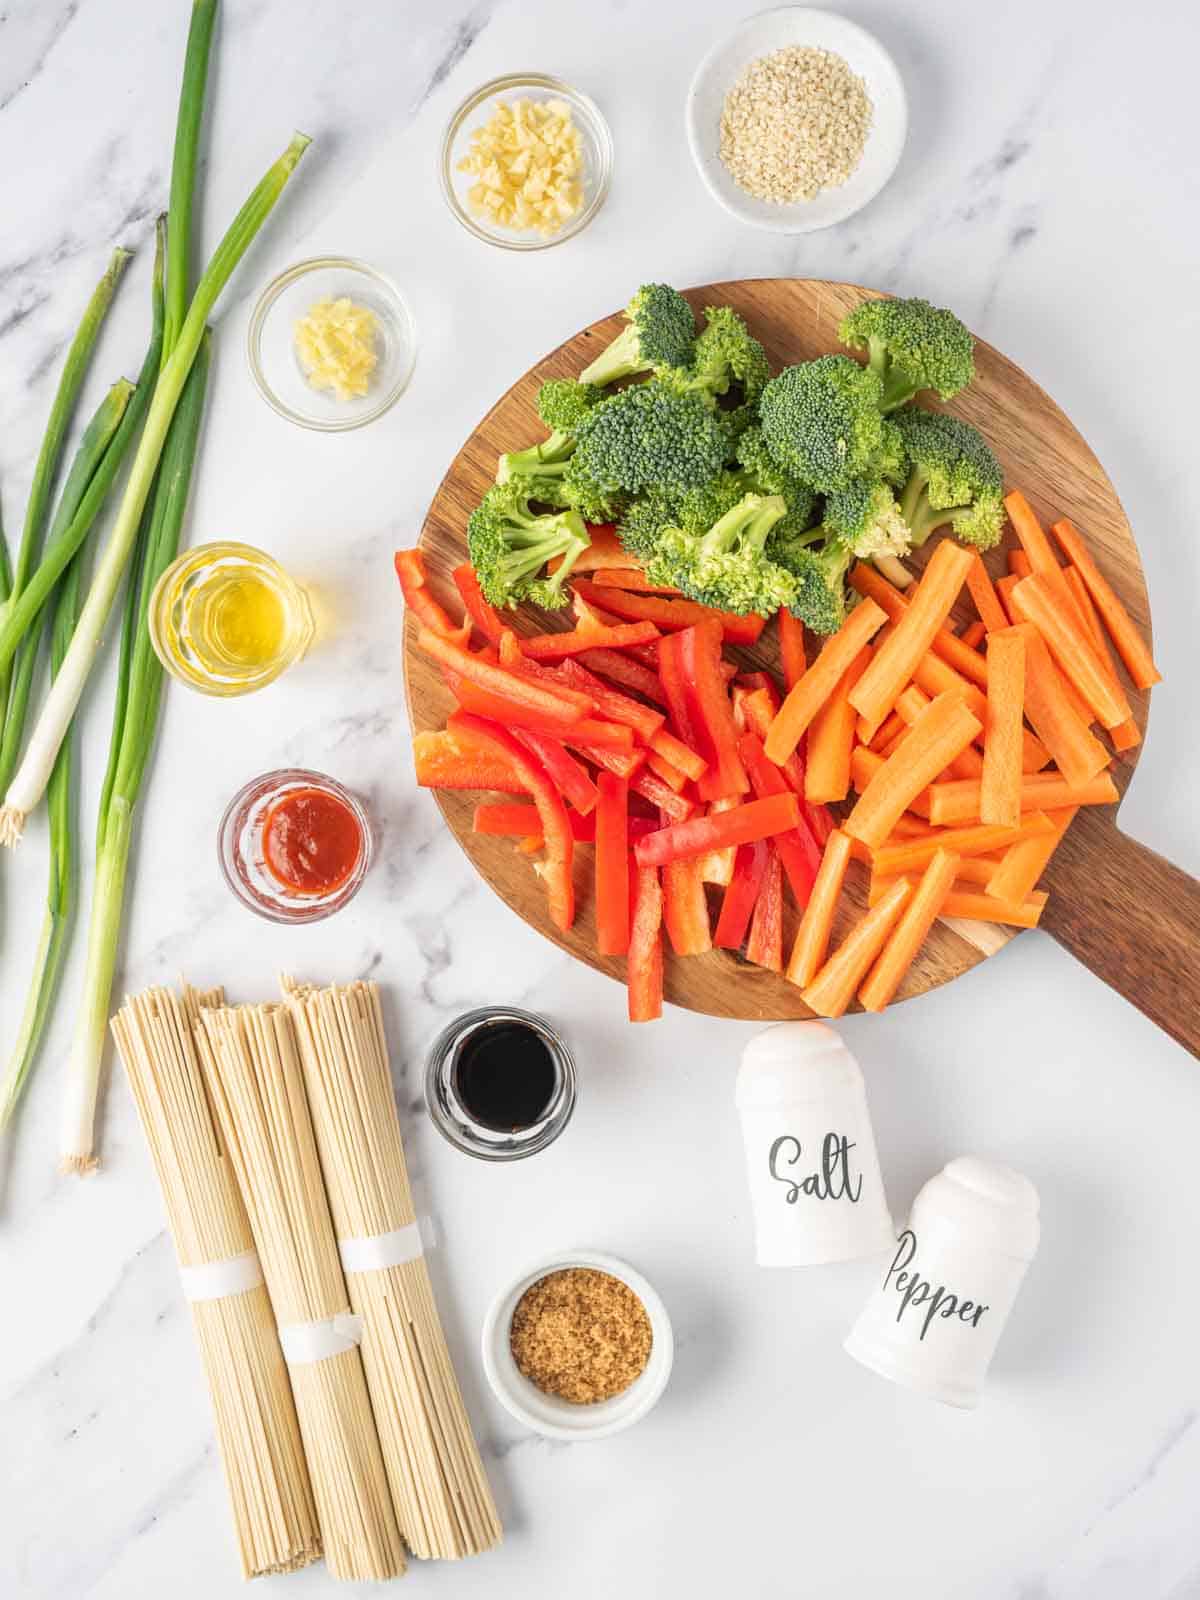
<point x="579" y="1347"/>
<point x="796" y="120"/>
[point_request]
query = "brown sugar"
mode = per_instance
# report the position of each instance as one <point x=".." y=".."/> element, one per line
<point x="580" y="1334"/>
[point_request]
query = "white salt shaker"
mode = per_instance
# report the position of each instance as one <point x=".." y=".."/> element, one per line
<point x="936" y="1318"/>
<point x="814" y="1175"/>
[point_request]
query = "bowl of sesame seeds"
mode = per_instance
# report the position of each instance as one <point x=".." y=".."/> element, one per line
<point x="796" y="120"/>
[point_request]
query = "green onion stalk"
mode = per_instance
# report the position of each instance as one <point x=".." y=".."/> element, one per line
<point x="16" y="675"/>
<point x="29" y="783"/>
<point x="97" y="440"/>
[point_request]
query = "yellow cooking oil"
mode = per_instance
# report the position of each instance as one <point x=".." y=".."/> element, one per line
<point x="227" y="619"/>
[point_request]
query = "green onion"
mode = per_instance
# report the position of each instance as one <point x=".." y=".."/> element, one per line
<point x="29" y="784"/>
<point x="183" y="166"/>
<point x="139" y="694"/>
<point x="98" y="439"/>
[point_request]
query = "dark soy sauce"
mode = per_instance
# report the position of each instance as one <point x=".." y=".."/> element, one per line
<point x="505" y="1077"/>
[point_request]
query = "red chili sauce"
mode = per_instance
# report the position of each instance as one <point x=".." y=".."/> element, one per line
<point x="312" y="841"/>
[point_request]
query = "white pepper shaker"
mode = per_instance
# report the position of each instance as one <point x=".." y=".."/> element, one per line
<point x="814" y="1174"/>
<point x="935" y="1320"/>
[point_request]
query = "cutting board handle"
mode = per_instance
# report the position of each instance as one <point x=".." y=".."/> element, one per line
<point x="1136" y="925"/>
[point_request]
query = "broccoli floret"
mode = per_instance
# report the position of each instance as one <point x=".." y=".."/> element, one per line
<point x="864" y="515"/>
<point x="893" y="459"/>
<point x="563" y="403"/>
<point x="821" y="421"/>
<point x="725" y="566"/>
<point x="693" y="510"/>
<point x="509" y="544"/>
<point x="953" y="479"/>
<point x="762" y="475"/>
<point x="661" y="333"/>
<point x="820" y="576"/>
<point x="728" y="354"/>
<point x="648" y="437"/>
<point x="911" y="345"/>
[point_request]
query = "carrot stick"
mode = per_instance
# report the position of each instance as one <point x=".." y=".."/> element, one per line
<point x="964" y="900"/>
<point x="974" y="633"/>
<point x="812" y="936"/>
<point x="864" y="764"/>
<point x="893" y="859"/>
<point x="1016" y="876"/>
<point x="892" y="725"/>
<point x="958" y="801"/>
<point x="810" y="693"/>
<point x="1126" y="734"/>
<point x="1019" y="564"/>
<point x="870" y="581"/>
<point x="831" y="738"/>
<point x="991" y="612"/>
<point x="678" y="754"/>
<point x="943" y="729"/>
<point x="833" y="988"/>
<point x="978" y="870"/>
<point x="1078" y="754"/>
<point x="1130" y="645"/>
<point x="669" y="774"/>
<point x="630" y="578"/>
<point x="1035" y="601"/>
<point x="1000" y="784"/>
<point x="967" y="764"/>
<point x="791" y="648"/>
<point x="910" y="827"/>
<point x="877" y="690"/>
<point x="909" y="933"/>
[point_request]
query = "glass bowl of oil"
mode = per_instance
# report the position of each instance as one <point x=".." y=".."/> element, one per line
<point x="226" y="619"/>
<point x="275" y="361"/>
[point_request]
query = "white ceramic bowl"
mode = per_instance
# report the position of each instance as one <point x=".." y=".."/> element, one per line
<point x="560" y="1419"/>
<point x="759" y="36"/>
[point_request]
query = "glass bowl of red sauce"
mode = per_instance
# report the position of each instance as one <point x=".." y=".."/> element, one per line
<point x="294" y="845"/>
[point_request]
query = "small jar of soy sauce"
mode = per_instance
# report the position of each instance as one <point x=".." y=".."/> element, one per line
<point x="500" y="1083"/>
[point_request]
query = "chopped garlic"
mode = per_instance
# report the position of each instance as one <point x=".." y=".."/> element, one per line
<point x="335" y="341"/>
<point x="526" y="160"/>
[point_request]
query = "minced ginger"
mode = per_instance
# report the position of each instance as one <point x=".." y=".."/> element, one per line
<point x="526" y="159"/>
<point x="335" y="341"/>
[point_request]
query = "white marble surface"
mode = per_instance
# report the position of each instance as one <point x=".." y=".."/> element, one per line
<point x="1050" y="193"/>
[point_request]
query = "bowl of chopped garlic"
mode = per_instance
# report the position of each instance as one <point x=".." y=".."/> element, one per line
<point x="526" y="162"/>
<point x="796" y="119"/>
<point x="331" y="344"/>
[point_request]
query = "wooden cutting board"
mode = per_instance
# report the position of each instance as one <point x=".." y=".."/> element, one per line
<point x="1040" y="451"/>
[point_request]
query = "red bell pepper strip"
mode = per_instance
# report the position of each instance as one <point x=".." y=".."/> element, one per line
<point x="610" y="703"/>
<point x="624" y="669"/>
<point x="631" y="578"/>
<point x="514" y="819"/>
<point x="798" y="850"/>
<point x="677" y="806"/>
<point x="480" y="610"/>
<point x="755" y="680"/>
<point x="670" y="614"/>
<point x="555" y="870"/>
<point x="625" y="763"/>
<point x="758" y="712"/>
<point x="554" y="646"/>
<point x="410" y="569"/>
<point x="671" y="749"/>
<point x="645" y="964"/>
<point x="685" y="908"/>
<point x="764" y="947"/>
<point x="753" y="819"/>
<point x="588" y="615"/>
<point x="791" y="648"/>
<point x="674" y="686"/>
<point x="604" y="551"/>
<point x="499" y="680"/>
<point x="512" y="714"/>
<point x="741" y="895"/>
<point x="445" y="761"/>
<point x="569" y="776"/>
<point x="710" y="712"/>
<point x="671" y="776"/>
<point x="612" y="865"/>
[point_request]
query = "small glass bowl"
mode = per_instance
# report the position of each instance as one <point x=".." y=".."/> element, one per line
<point x="597" y="157"/>
<point x="240" y="850"/>
<point x="276" y="367"/>
<point x="456" y="1124"/>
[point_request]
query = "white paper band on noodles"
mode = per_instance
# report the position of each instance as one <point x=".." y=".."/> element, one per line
<point x="377" y="1251"/>
<point x="306" y="1342"/>
<point x="216" y="1280"/>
